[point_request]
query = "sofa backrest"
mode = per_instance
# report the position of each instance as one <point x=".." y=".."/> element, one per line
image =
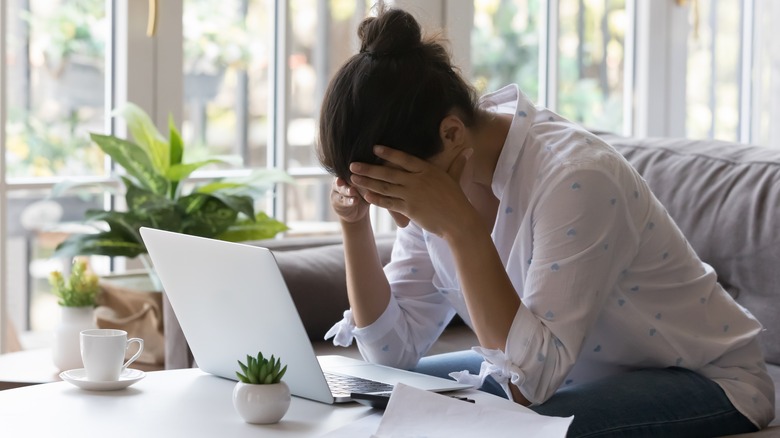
<point x="725" y="197"/>
<point x="313" y="268"/>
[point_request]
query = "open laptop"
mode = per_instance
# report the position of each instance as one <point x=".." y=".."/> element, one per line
<point x="231" y="300"/>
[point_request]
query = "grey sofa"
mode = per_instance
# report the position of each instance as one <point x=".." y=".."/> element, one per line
<point x="724" y="196"/>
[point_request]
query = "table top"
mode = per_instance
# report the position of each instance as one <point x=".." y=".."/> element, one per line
<point x="29" y="367"/>
<point x="186" y="402"/>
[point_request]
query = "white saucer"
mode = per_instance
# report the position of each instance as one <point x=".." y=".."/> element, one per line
<point x="78" y="377"/>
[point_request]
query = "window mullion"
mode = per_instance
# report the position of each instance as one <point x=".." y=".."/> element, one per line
<point x="548" y="54"/>
<point x="747" y="35"/>
<point x="660" y="70"/>
<point x="3" y="187"/>
<point x="279" y="112"/>
<point x="629" y="66"/>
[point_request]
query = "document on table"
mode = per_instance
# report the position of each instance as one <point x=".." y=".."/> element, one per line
<point x="413" y="412"/>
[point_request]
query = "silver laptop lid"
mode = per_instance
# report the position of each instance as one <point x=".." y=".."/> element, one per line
<point x="231" y="300"/>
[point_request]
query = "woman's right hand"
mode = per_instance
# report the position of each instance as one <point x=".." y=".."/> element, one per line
<point x="348" y="204"/>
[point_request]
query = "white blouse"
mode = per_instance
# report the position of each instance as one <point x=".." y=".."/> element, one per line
<point x="607" y="280"/>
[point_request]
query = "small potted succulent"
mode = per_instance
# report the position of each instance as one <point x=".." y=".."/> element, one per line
<point x="260" y="396"/>
<point x="77" y="298"/>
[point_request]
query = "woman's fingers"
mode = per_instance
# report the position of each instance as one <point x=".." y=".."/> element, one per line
<point x="405" y="161"/>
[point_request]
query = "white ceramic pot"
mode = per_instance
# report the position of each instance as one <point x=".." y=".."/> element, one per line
<point x="261" y="404"/>
<point x="66" y="350"/>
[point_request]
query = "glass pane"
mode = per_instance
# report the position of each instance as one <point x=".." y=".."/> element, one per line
<point x="766" y="86"/>
<point x="712" y="83"/>
<point x="308" y="202"/>
<point x="36" y="225"/>
<point x="591" y="54"/>
<point x="324" y="36"/>
<point x="505" y="45"/>
<point x="228" y="49"/>
<point x="56" y="56"/>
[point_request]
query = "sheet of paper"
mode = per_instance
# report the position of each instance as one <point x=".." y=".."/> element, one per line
<point x="363" y="428"/>
<point x="412" y="412"/>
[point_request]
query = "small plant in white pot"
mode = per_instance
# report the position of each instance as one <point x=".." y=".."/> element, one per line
<point x="77" y="298"/>
<point x="260" y="396"/>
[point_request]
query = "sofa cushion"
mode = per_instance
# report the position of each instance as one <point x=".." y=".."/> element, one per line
<point x="725" y="197"/>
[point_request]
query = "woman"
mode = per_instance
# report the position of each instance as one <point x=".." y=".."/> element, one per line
<point x="584" y="295"/>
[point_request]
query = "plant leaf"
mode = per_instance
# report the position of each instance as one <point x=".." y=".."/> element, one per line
<point x="146" y="135"/>
<point x="179" y="172"/>
<point x="263" y="227"/>
<point x="205" y="215"/>
<point x="176" y="144"/>
<point x="258" y="179"/>
<point x="106" y="243"/>
<point x="241" y="204"/>
<point x="281" y="374"/>
<point x="81" y="188"/>
<point x="134" y="160"/>
<point x="121" y="223"/>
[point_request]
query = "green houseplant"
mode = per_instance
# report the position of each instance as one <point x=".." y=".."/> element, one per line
<point x="79" y="290"/>
<point x="77" y="298"/>
<point x="260" y="396"/>
<point x="156" y="197"/>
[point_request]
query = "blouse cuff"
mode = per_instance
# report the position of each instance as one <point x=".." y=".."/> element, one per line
<point x="343" y="332"/>
<point x="497" y="365"/>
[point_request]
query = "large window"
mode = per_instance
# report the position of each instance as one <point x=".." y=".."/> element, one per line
<point x="246" y="77"/>
<point x="581" y="55"/>
<point x="252" y="74"/>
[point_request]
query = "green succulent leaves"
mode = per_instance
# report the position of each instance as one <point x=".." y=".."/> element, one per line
<point x="261" y="371"/>
<point x="220" y="208"/>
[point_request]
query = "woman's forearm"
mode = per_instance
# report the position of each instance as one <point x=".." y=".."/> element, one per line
<point x="367" y="287"/>
<point x="490" y="296"/>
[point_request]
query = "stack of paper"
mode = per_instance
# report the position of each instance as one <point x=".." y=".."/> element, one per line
<point x="416" y="413"/>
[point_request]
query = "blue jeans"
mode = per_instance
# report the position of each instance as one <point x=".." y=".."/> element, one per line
<point x="659" y="402"/>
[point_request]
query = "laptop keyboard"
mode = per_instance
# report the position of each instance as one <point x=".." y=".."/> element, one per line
<point x="342" y="386"/>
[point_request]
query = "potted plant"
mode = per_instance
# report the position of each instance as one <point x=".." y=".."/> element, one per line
<point x="77" y="297"/>
<point x="155" y="195"/>
<point x="260" y="396"/>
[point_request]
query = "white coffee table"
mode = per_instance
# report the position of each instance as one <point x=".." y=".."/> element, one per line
<point x="174" y="403"/>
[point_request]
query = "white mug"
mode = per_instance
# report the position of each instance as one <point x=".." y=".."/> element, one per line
<point x="103" y="351"/>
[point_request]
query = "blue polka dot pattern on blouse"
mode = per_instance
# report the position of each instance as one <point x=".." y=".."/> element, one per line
<point x="555" y="267"/>
<point x="576" y="186"/>
<point x="522" y="114"/>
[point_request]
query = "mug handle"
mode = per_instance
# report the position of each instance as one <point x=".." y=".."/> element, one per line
<point x="137" y="353"/>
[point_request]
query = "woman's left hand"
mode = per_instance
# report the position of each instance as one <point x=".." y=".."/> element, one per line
<point x="413" y="188"/>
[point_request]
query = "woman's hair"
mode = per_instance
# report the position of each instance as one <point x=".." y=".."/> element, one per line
<point x="395" y="92"/>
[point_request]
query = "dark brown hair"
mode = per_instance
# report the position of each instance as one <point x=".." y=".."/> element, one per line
<point x="395" y="92"/>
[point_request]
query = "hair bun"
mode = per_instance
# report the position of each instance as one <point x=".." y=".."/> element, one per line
<point x="392" y="32"/>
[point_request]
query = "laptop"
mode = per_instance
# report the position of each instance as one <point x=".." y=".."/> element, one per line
<point x="231" y="300"/>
